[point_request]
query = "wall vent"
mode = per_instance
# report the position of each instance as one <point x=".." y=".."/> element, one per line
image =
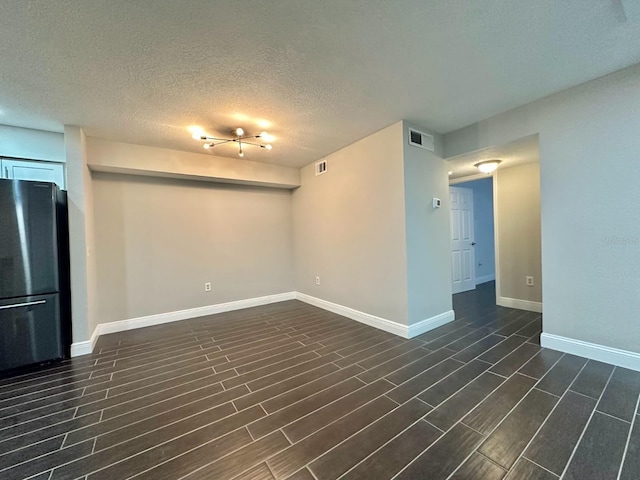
<point x="321" y="167"/>
<point x="421" y="140"/>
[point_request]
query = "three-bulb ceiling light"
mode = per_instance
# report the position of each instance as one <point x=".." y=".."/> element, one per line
<point x="239" y="137"/>
<point x="488" y="166"/>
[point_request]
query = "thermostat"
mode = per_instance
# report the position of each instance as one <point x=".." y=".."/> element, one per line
<point x="437" y="203"/>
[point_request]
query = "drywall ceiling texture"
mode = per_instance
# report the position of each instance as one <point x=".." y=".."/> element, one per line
<point x="321" y="75"/>
<point x="590" y="203"/>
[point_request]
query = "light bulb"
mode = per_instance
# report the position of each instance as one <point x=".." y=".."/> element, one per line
<point x="266" y="137"/>
<point x="241" y="153"/>
<point x="268" y="146"/>
<point x="239" y="132"/>
<point x="207" y="146"/>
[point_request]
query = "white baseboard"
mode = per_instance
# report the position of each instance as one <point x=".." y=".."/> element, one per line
<point x="485" y="279"/>
<point x="379" y="322"/>
<point x="431" y="323"/>
<point x="520" y="304"/>
<point x="83" y="348"/>
<point x="601" y="353"/>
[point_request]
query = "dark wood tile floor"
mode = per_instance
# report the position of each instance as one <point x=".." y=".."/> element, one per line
<point x="291" y="391"/>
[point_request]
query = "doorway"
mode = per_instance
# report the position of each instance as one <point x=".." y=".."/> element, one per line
<point x="472" y="234"/>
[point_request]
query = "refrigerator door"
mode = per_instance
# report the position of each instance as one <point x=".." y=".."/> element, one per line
<point x="29" y="331"/>
<point x="28" y="239"/>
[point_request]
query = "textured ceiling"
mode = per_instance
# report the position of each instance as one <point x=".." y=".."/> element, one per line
<point x="512" y="154"/>
<point x="322" y="74"/>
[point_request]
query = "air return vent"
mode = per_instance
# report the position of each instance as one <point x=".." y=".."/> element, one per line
<point x="321" y="167"/>
<point x="421" y="139"/>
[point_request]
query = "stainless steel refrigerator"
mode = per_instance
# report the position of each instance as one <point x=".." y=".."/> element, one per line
<point x="35" y="317"/>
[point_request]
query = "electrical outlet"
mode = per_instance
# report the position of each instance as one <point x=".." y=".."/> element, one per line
<point x="529" y="281"/>
<point x="317" y="280"/>
<point x="207" y="287"/>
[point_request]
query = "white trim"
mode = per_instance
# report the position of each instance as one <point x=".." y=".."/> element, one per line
<point x="601" y="353"/>
<point x="485" y="279"/>
<point x="469" y="178"/>
<point x="83" y="348"/>
<point x="430" y="323"/>
<point x="379" y="322"/>
<point x="520" y="304"/>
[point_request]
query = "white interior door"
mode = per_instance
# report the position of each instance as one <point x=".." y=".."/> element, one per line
<point x="33" y="170"/>
<point x="463" y="272"/>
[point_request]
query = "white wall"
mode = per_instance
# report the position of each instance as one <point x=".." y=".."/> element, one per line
<point x="518" y="221"/>
<point x="81" y="235"/>
<point x="349" y="228"/>
<point x="427" y="230"/>
<point x="31" y="144"/>
<point x="483" y="224"/>
<point x="159" y="240"/>
<point x="590" y="202"/>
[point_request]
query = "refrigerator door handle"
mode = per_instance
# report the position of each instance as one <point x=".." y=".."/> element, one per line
<point x="26" y="304"/>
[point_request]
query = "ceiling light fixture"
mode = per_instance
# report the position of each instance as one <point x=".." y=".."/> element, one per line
<point x="239" y="137"/>
<point x="488" y="166"/>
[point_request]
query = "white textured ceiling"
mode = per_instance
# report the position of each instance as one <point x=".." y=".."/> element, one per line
<point x="512" y="154"/>
<point x="322" y="73"/>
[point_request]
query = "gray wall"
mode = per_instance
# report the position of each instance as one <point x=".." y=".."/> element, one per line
<point x="518" y="221"/>
<point x="483" y="223"/>
<point x="590" y="202"/>
<point x="160" y="240"/>
<point x="32" y="144"/>
<point x="349" y="227"/>
<point x="427" y="230"/>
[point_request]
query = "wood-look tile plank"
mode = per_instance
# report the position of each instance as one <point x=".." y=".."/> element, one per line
<point x="212" y="424"/>
<point x="558" y="379"/>
<point x="469" y="339"/>
<point x="496" y="406"/>
<point x="631" y="466"/>
<point x="386" y="367"/>
<point x="176" y="459"/>
<point x="442" y="390"/>
<point x="620" y="397"/>
<point x="304" y="391"/>
<point x="286" y="385"/>
<point x="501" y="350"/>
<point x="48" y="461"/>
<point x="592" y="379"/>
<point x="330" y="412"/>
<point x="396" y="454"/>
<point x="261" y="472"/>
<point x="445" y="456"/>
<point x="297" y="410"/>
<point x="303" y="452"/>
<point x="509" y="440"/>
<point x="478" y="348"/>
<point x="339" y="460"/>
<point x="419" y="366"/>
<point x="525" y="470"/>
<point x="421" y="382"/>
<point x="552" y="446"/>
<point x="479" y="467"/>
<point x="599" y="453"/>
<point x="540" y="364"/>
<point x="516" y="359"/>
<point x="456" y="407"/>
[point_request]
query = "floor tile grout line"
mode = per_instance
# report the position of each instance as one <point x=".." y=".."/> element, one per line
<point x="586" y="425"/>
<point x="542" y="424"/>
<point x="488" y="459"/>
<point x="626" y="447"/>
<point x="537" y="465"/>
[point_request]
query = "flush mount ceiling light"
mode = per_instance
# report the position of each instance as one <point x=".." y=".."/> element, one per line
<point x="488" y="166"/>
<point x="239" y="137"/>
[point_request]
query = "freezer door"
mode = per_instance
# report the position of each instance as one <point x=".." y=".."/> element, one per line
<point x="29" y="331"/>
<point x="28" y="239"/>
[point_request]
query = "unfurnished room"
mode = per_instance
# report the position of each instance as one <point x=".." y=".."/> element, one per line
<point x="319" y="240"/>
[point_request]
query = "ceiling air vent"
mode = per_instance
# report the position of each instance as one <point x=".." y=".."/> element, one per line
<point x="321" y="167"/>
<point x="421" y="139"/>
